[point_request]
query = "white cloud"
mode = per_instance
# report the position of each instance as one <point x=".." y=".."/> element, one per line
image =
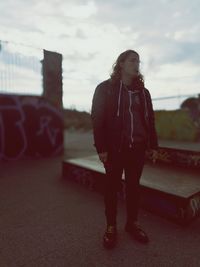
<point x="91" y="34"/>
<point x="80" y="11"/>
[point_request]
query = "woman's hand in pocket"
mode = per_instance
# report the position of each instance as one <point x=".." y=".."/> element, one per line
<point x="103" y="157"/>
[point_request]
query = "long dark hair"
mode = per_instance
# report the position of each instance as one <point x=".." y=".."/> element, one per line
<point x="116" y="70"/>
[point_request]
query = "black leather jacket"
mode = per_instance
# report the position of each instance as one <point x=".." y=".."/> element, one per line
<point x="107" y="114"/>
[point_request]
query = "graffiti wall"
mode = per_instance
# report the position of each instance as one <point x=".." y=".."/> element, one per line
<point x="29" y="127"/>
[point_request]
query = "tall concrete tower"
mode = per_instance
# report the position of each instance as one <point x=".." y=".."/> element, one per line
<point x="52" y="78"/>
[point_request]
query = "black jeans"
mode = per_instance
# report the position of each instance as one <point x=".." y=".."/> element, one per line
<point x="131" y="160"/>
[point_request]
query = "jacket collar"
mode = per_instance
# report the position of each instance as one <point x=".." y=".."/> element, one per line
<point x="120" y="86"/>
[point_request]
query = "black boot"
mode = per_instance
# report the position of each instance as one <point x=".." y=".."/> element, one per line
<point x="110" y="237"/>
<point x="136" y="231"/>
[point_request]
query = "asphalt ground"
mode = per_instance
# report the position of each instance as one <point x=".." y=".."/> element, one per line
<point x="46" y="220"/>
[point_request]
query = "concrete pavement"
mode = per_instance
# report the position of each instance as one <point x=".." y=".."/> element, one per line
<point x="48" y="221"/>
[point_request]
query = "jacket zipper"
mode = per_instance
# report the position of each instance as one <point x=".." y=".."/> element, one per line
<point x="131" y="114"/>
<point x="146" y="118"/>
<point x="122" y="126"/>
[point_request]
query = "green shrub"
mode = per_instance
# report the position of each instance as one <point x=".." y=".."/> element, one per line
<point x="175" y="125"/>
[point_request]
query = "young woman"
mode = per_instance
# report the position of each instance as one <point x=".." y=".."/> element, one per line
<point x="123" y="129"/>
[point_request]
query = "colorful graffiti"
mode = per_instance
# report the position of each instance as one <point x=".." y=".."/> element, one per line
<point x="29" y="126"/>
<point x="191" y="210"/>
<point x="176" y="157"/>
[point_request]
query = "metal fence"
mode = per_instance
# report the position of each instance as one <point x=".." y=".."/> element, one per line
<point x="20" y="69"/>
<point x="171" y="102"/>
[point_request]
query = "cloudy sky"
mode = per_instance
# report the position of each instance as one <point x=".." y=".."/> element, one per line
<point x="91" y="34"/>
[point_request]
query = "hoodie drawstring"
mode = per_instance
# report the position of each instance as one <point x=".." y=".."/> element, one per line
<point x="146" y="111"/>
<point x="119" y="98"/>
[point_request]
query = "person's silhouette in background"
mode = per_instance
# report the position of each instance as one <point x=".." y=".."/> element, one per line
<point x="123" y="129"/>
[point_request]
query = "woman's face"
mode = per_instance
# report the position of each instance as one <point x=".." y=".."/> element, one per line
<point x="131" y="65"/>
